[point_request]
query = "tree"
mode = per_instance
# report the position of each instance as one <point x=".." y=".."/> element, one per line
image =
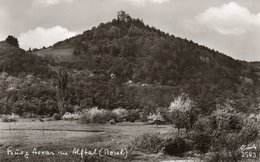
<point x="62" y="89"/>
<point x="226" y="117"/>
<point x="12" y="40"/>
<point x="182" y="103"/>
<point x="76" y="52"/>
<point x="179" y="118"/>
<point x="180" y="112"/>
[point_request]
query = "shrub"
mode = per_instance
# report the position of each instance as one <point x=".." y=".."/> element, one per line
<point x="222" y="155"/>
<point x="232" y="139"/>
<point x="249" y="131"/>
<point x="176" y="147"/>
<point x="90" y="116"/>
<point x="227" y="119"/>
<point x="70" y="116"/>
<point x="30" y="115"/>
<point x="215" y="156"/>
<point x="98" y="116"/>
<point x="149" y="142"/>
<point x="133" y="115"/>
<point x="109" y="115"/>
<point x="103" y="117"/>
<point x="56" y="116"/>
<point x="10" y="118"/>
<point x="202" y="135"/>
<point x="121" y="114"/>
<point x="94" y="111"/>
<point x="85" y="118"/>
<point x="156" y="118"/>
<point x="232" y="126"/>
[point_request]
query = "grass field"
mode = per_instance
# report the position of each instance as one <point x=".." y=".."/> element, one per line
<point x="54" y="136"/>
<point x="58" y="55"/>
<point x="65" y="139"/>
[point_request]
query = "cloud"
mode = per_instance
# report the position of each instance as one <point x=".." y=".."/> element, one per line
<point x="145" y="1"/>
<point x="2" y="37"/>
<point x="229" y="19"/>
<point x="53" y="2"/>
<point x="40" y="37"/>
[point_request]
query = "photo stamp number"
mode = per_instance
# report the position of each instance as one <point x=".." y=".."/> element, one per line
<point x="249" y="154"/>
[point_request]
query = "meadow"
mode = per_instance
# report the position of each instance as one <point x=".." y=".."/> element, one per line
<point x="35" y="140"/>
<point x="55" y="136"/>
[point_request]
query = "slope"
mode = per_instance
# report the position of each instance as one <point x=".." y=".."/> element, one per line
<point x="126" y="50"/>
<point x="15" y="61"/>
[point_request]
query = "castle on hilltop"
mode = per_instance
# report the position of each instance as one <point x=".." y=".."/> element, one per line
<point x="123" y="16"/>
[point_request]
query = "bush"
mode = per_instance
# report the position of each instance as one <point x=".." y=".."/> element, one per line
<point x="133" y="115"/>
<point x="56" y="116"/>
<point x="177" y="147"/>
<point x="230" y="136"/>
<point x="30" y="115"/>
<point x="156" y="118"/>
<point x="249" y="131"/>
<point x="215" y="156"/>
<point x="70" y="116"/>
<point x="227" y="120"/>
<point x="149" y="142"/>
<point x="85" y="118"/>
<point x="93" y="111"/>
<point x="222" y="155"/>
<point x="202" y="135"/>
<point x="121" y="114"/>
<point x="103" y="117"/>
<point x="10" y="118"/>
<point x="98" y="116"/>
<point x="109" y="115"/>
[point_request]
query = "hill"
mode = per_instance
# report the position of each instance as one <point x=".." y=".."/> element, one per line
<point x="16" y="61"/>
<point x="125" y="50"/>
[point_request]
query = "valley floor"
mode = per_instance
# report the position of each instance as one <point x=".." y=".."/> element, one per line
<point x="63" y="140"/>
<point x="66" y="136"/>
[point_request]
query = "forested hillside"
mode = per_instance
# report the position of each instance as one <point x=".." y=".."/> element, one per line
<point x="15" y="61"/>
<point x="138" y="54"/>
<point x="125" y="63"/>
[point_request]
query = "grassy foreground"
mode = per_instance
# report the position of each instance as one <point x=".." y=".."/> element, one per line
<point x="29" y="140"/>
<point x="65" y="141"/>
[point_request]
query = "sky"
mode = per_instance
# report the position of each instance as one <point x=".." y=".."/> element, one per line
<point x="231" y="27"/>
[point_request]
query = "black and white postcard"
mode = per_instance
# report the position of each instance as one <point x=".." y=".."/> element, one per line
<point x="129" y="80"/>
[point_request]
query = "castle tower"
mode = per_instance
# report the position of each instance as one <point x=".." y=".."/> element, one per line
<point x="123" y="16"/>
